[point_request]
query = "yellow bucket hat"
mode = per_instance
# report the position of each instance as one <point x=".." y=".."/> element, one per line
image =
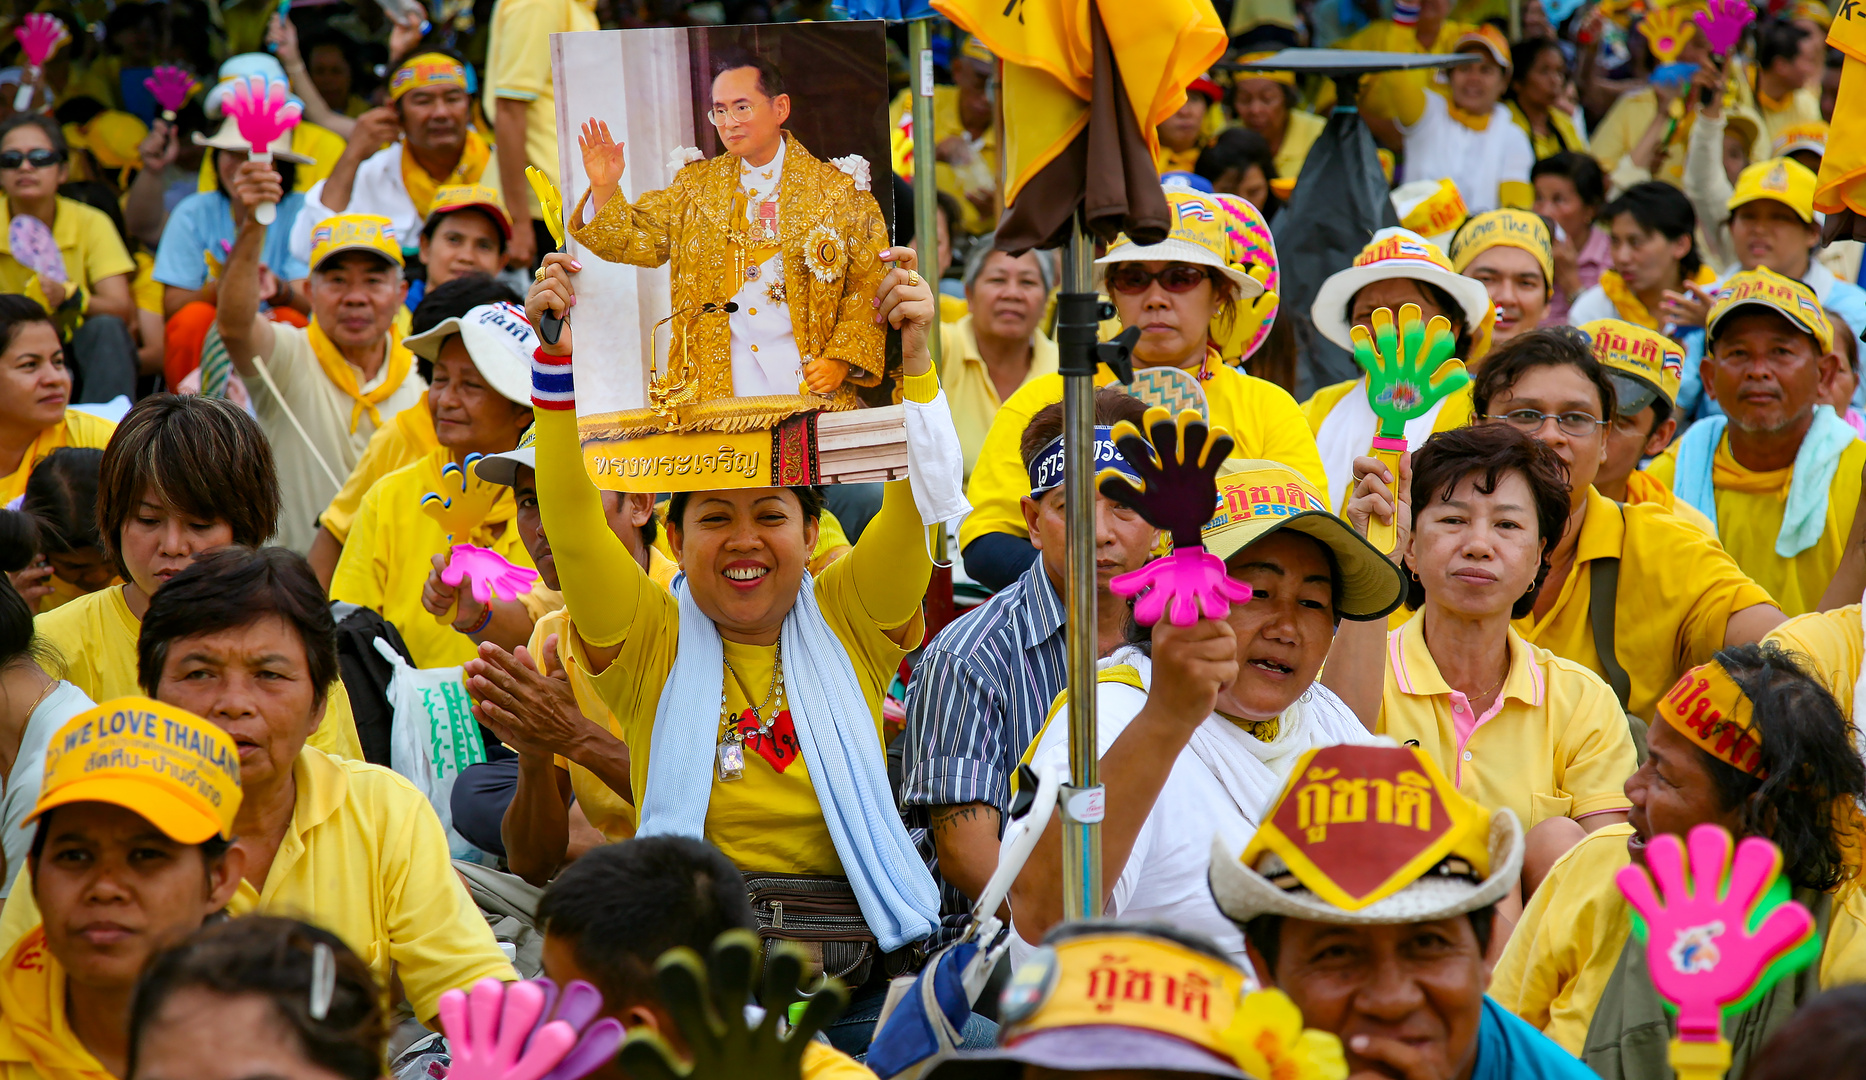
<point x="354" y="232"/>
<point x="1784" y="180"/>
<point x="1642" y="363"/>
<point x="1198" y="237"/>
<point x="112" y="137"/>
<point x="1787" y="297"/>
<point x="164" y="763"/>
<point x="427" y="69"/>
<point x="1506" y="228"/>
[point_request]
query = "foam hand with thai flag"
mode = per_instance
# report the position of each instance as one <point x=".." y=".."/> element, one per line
<point x="170" y="86"/>
<point x="509" y="1031"/>
<point x="1409" y="369"/>
<point x="263" y="112"/>
<point x="40" y="34"/>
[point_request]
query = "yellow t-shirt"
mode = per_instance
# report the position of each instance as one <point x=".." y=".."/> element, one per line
<point x="518" y="68"/>
<point x="1299" y="134"/>
<point x="1261" y="416"/>
<point x="1568" y="942"/>
<point x="1641" y="488"/>
<point x="609" y="812"/>
<point x="1803" y="106"/>
<point x="1749" y="515"/>
<point x="64" y="592"/>
<point x="94" y="638"/>
<point x="402" y="441"/>
<point x="822" y="1061"/>
<point x="1678" y="589"/>
<point x="946" y="124"/>
<point x="1558" y="747"/>
<point x="365" y="858"/>
<point x="1830" y="644"/>
<point x="322" y="145"/>
<point x="92" y="248"/>
<point x="36" y="1040"/>
<point x="389" y="555"/>
<point x="144" y="287"/>
<point x="970" y="392"/>
<point x="79" y="429"/>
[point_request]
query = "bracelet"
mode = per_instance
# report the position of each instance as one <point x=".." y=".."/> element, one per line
<point x="483" y="624"/>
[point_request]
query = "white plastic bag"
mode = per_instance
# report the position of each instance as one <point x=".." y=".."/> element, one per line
<point x="433" y="736"/>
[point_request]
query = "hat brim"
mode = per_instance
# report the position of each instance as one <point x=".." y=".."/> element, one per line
<point x="1770" y="196"/>
<point x="161" y="807"/>
<point x="503" y="468"/>
<point x="1171" y="250"/>
<point x="1330" y="310"/>
<point x="1794" y="318"/>
<point x="497" y="213"/>
<point x="241" y="146"/>
<point x="498" y="365"/>
<point x="1371" y="586"/>
<point x="345" y="249"/>
<point x="1631" y="394"/>
<point x="1088" y="1049"/>
<point x="1243" y="894"/>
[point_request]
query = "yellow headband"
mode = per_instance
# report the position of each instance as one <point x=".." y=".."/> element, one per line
<point x="428" y="69"/>
<point x="1506" y="228"/>
<point x="1287" y="78"/>
<point x="1707" y="707"/>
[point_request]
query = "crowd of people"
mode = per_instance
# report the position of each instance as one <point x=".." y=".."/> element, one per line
<point x="232" y="375"/>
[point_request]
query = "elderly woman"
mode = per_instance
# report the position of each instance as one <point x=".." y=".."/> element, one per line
<point x="996" y="349"/>
<point x="1794" y="779"/>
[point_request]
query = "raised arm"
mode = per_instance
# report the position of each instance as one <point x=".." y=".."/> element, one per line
<point x="244" y="332"/>
<point x="1356" y="668"/>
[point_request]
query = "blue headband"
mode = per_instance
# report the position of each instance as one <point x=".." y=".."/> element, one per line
<point x="1046" y="469"/>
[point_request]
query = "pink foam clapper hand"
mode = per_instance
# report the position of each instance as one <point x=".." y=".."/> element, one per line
<point x="1178" y="492"/>
<point x="492" y="575"/>
<point x="39" y="35"/>
<point x="170" y="86"/>
<point x="35" y="249"/>
<point x="503" y="1031"/>
<point x="1722" y="23"/>
<point x="261" y="110"/>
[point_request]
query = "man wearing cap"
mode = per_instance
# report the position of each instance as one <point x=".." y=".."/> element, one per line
<point x="965" y="136"/>
<point x="1779" y="472"/>
<point x="1199" y="725"/>
<point x="1645" y="368"/>
<point x="132" y="851"/>
<point x="324" y="388"/>
<point x="1511" y="253"/>
<point x="1397" y="267"/>
<point x="479" y="392"/>
<point x="1174" y="291"/>
<point x="467" y="232"/>
<point x="1772" y="225"/>
<point x="400" y="156"/>
<point x="1369" y="896"/>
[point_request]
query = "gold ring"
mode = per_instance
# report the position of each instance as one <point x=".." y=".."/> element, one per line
<point x="538" y="275"/>
<point x="913" y="278"/>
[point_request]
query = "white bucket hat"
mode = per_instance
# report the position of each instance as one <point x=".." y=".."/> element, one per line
<point x="1396" y="253"/>
<point x="228" y="137"/>
<point x="1198" y="237"/>
<point x="499" y="340"/>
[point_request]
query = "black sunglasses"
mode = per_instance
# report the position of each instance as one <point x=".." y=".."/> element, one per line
<point x="40" y="159"/>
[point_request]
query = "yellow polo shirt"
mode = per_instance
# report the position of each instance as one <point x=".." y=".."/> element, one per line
<point x="970" y="393"/>
<point x="1558" y="746"/>
<point x="36" y="1040"/>
<point x="1299" y="134"/>
<point x="1568" y="942"/>
<point x="1261" y="416"/>
<point x="1830" y="645"/>
<point x="518" y="68"/>
<point x="93" y="638"/>
<point x="365" y="858"/>
<point x="405" y="439"/>
<point x="76" y="429"/>
<point x="1749" y="515"/>
<point x="92" y="248"/>
<point x="1642" y="488"/>
<point x="1678" y="589"/>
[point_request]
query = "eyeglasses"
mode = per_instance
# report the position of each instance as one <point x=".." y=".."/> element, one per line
<point x="738" y="113"/>
<point x="1575" y="425"/>
<point x="40" y="159"/>
<point x="1133" y="278"/>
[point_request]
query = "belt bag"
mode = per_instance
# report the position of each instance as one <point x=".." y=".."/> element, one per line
<point x="819" y="913"/>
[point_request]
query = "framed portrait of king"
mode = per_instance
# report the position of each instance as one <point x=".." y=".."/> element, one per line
<point x="728" y="195"/>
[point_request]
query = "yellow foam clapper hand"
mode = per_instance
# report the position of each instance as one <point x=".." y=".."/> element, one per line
<point x="1409" y="367"/>
<point x="549" y="200"/>
<point x="1240" y="328"/>
<point x="707" y="1001"/>
<point x="1171" y="479"/>
<point x="464" y="502"/>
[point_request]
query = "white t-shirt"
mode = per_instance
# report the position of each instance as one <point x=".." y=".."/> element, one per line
<point x="1220" y="784"/>
<point x="1478" y="161"/>
<point x="22" y="785"/>
<point x="764" y="343"/>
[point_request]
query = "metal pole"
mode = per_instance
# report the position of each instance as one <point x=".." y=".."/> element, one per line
<point x="1082" y="799"/>
<point x="925" y="217"/>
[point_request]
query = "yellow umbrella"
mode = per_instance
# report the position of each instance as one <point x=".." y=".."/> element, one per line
<point x="1840" y="192"/>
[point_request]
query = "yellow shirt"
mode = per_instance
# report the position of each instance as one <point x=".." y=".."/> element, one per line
<point x="1568" y="941"/>
<point x="36" y="1040"/>
<point x="609" y="812"/>
<point x="518" y="68"/>
<point x="144" y="287"/>
<point x="1749" y="515"/>
<point x="90" y="244"/>
<point x="970" y="392"/>
<point x="822" y="1061"/>
<point x="1830" y="643"/>
<point x="402" y="441"/>
<point x="1563" y="137"/>
<point x="1260" y="415"/>
<point x="946" y="124"/>
<point x="1802" y="106"/>
<point x="1678" y="589"/>
<point x="389" y="555"/>
<point x="94" y="637"/>
<point x="365" y="858"/>
<point x="1559" y="745"/>
<point x="1299" y="134"/>
<point x="1385" y="35"/>
<point x="1626" y="122"/>
<point x="322" y="145"/>
<point x="64" y="592"/>
<point x="76" y="429"/>
<point x="1641" y="488"/>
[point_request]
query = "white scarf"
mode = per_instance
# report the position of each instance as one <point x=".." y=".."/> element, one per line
<point x="1347" y="432"/>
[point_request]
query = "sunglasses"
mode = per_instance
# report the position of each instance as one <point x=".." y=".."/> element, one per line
<point x="1133" y="278"/>
<point x="40" y="159"/>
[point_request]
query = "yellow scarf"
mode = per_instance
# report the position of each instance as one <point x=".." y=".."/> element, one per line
<point x="1629" y="306"/>
<point x="421" y="186"/>
<point x="1474" y="121"/>
<point x="343" y="376"/>
<point x="32" y="1004"/>
<point x="1727" y="474"/>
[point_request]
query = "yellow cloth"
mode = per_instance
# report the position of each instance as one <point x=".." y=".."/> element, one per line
<point x="1569" y="939"/>
<point x="36" y="1040"/>
<point x="322" y="145"/>
<point x="365" y="858"/>
<point x="404" y="440"/>
<point x="389" y="553"/>
<point x="1559" y="747"/>
<point x="76" y="429"/>
<point x="822" y="1061"/>
<point x="1299" y="134"/>
<point x="1261" y="416"/>
<point x="1830" y="643"/>
<point x="952" y="308"/>
<point x="1169" y="160"/>
<point x="970" y="392"/>
<point x="611" y="814"/>
<point x="342" y="373"/>
<point x="1626" y="122"/>
<point x="1385" y="35"/>
<point x="144" y="287"/>
<point x="1749" y="515"/>
<point x="64" y="592"/>
<point x="92" y="248"/>
<point x="946" y="124"/>
<point x="421" y="186"/>
<point x="1678" y="589"/>
<point x="93" y="638"/>
<point x="518" y="68"/>
<point x="1641" y="488"/>
<point x="1627" y="305"/>
<point x="1842" y="181"/>
<point x="1564" y="136"/>
<point x="1802" y="106"/>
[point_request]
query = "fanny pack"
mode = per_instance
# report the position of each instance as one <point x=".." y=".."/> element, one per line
<point x="822" y="915"/>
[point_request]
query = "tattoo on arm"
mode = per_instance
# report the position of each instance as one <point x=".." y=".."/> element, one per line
<point x="949" y="817"/>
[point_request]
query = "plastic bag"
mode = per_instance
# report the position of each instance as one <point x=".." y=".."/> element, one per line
<point x="434" y="735"/>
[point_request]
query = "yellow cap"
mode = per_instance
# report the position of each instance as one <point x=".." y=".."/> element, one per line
<point x="354" y="232"/>
<point x="167" y="764"/>
<point x="451" y="197"/>
<point x="1813" y="11"/>
<point x="1809" y="136"/>
<point x="1506" y="228"/>
<point x="1642" y="363"/>
<point x="427" y="69"/>
<point x="1785" y="296"/>
<point x="1784" y="180"/>
<point x="1198" y="237"/>
<point x="1432" y="208"/>
<point x="1287" y="78"/>
<point x="112" y="137"/>
<point x="1488" y="38"/>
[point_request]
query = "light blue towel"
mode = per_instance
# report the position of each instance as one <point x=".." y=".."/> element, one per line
<point x="898" y="897"/>
<point x="1804" y="518"/>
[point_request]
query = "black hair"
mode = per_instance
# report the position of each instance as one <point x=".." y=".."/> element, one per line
<point x="1807" y="753"/>
<point x="274" y="958"/>
<point x="287" y="170"/>
<point x="949" y="206"/>
<point x="770" y="79"/>
<point x="1777" y="39"/>
<point x="19" y="541"/>
<point x="44" y="123"/>
<point x="809" y="498"/>
<point x="1659" y="207"/>
<point x="1448" y="457"/>
<point x="1265" y="934"/>
<point x="622" y="905"/>
<point x="1555" y="346"/>
<point x="1823" y="1038"/>
<point x="101" y="195"/>
<point x="452" y="301"/>
<point x="1239" y="148"/>
<point x="17" y="311"/>
<point x="79" y="111"/>
<point x="1523" y="56"/>
<point x="1581" y="170"/>
<point x="18" y="643"/>
<point x="61" y="498"/>
<point x="234" y="587"/>
<point x="1112" y="405"/>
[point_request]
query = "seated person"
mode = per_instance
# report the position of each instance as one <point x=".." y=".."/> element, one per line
<point x="1400" y="979"/>
<point x="466" y="233"/>
<point x="130" y="846"/>
<point x="1646" y="134"/>
<point x="1199" y="725"/>
<point x="1510" y="252"/>
<point x="478" y="370"/>
<point x="35" y="396"/>
<point x="1189" y="130"/>
<point x="1644" y="368"/>
<point x="1657" y="269"/>
<point x="1565" y="968"/>
<point x="62" y="499"/>
<point x="1570" y="193"/>
<point x="1173" y="289"/>
<point x="997" y="348"/>
<point x="1266" y="103"/>
<point x="318" y="145"/>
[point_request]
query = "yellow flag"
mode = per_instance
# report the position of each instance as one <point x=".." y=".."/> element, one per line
<point x="1842" y="182"/>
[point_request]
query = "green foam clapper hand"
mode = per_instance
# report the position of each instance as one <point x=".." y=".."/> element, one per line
<point x="1409" y="369"/>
